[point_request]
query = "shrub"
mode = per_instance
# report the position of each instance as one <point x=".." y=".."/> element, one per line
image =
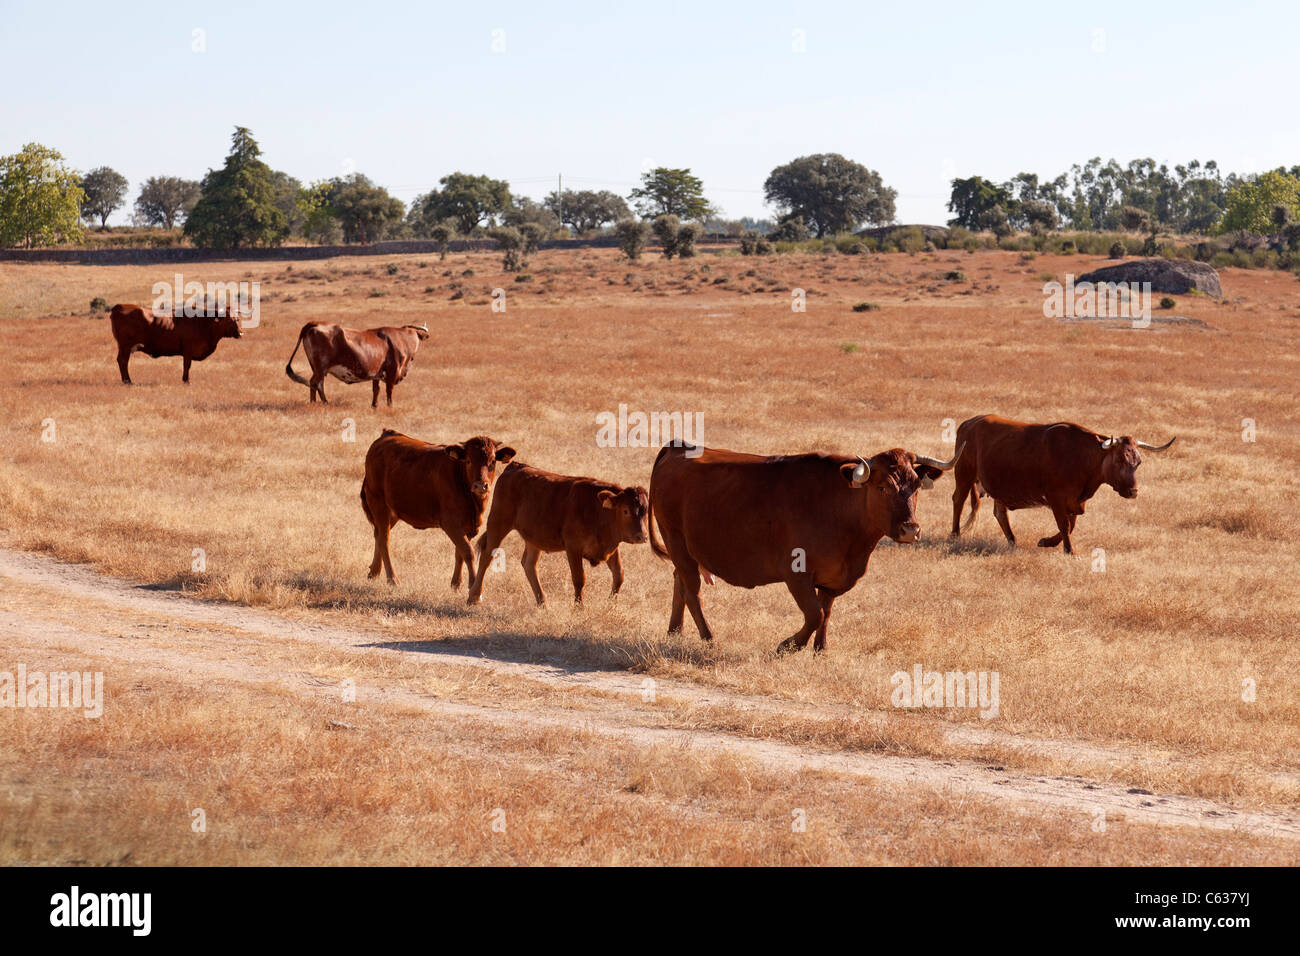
<point x="510" y="240"/>
<point x="910" y="240"/>
<point x="748" y="243"/>
<point x="1068" y="248"/>
<point x="1167" y="303"/>
<point x="667" y="229"/>
<point x="865" y="307"/>
<point x="392" y="268"/>
<point x="848" y="348"/>
<point x="954" y="276"/>
<point x="99" y="304"/>
<point x="532" y="234"/>
<point x="441" y="235"/>
<point x="686" y="237"/>
<point x="790" y="229"/>
<point x="632" y="237"/>
<point x="1117" y="250"/>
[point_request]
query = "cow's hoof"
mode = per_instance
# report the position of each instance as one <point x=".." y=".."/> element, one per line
<point x="1047" y="543"/>
<point x="788" y="647"/>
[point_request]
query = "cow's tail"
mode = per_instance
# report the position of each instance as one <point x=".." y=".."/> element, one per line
<point x="365" y="505"/>
<point x="655" y="544"/>
<point x="288" y="368"/>
<point x="974" y="506"/>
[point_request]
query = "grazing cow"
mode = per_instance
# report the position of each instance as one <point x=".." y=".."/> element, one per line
<point x="1057" y="466"/>
<point x="583" y="517"/>
<point x="357" y="355"/>
<point x="810" y="521"/>
<point x="193" y="338"/>
<point x="429" y="486"/>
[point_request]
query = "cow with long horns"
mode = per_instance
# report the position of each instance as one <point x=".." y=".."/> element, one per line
<point x="1058" y="466"/>
<point x="808" y="521"/>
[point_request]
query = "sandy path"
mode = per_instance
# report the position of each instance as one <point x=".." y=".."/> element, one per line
<point x="621" y="714"/>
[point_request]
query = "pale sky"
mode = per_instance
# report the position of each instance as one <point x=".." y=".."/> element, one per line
<point x="408" y="92"/>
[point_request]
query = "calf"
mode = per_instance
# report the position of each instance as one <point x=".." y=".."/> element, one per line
<point x="585" y="518"/>
<point x="193" y="338"/>
<point x="429" y="486"/>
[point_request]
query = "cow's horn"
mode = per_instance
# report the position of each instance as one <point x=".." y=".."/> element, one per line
<point x="941" y="465"/>
<point x="1107" y="443"/>
<point x="1144" y="445"/>
<point x="862" y="472"/>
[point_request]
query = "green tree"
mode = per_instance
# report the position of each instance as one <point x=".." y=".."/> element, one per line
<point x="830" y="194"/>
<point x="468" y="200"/>
<point x="510" y="241"/>
<point x="1250" y="204"/>
<point x="105" y="191"/>
<point x="671" y="192"/>
<point x="524" y="210"/>
<point x="972" y="200"/>
<point x="165" y="199"/>
<point x="666" y="229"/>
<point x="585" y="210"/>
<point x="40" y="198"/>
<point x="365" y="212"/>
<point x="237" y="203"/>
<point x="632" y="236"/>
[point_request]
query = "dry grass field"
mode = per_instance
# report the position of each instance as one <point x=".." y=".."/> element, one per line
<point x="1123" y="732"/>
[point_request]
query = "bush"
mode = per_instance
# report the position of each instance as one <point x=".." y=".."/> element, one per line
<point x="865" y="307"/>
<point x="790" y="229"/>
<point x="954" y="276"/>
<point x="511" y="241"/>
<point x="910" y="240"/>
<point x="392" y="268"/>
<point x="632" y="234"/>
<point x="99" y="304"/>
<point x="667" y="230"/>
<point x="1167" y="303"/>
<point x="441" y="235"/>
<point x="686" y="237"/>
<point x="1117" y="250"/>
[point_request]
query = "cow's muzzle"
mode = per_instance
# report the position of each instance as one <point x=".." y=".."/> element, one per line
<point x="479" y="488"/>
<point x="908" y="533"/>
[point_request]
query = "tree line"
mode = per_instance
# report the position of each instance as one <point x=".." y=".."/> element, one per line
<point x="245" y="202"/>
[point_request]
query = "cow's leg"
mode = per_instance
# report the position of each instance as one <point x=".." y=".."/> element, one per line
<point x="689" y="575"/>
<point x="123" y="358"/>
<point x="374" y="394"/>
<point x="1064" y="525"/>
<point x="382" y="529"/>
<point x="388" y="390"/>
<point x="615" y="564"/>
<point x="805" y="596"/>
<point x="317" y="384"/>
<point x="185" y="374"/>
<point x="827" y="599"/>
<point x="1000" y="512"/>
<point x="679" y="605"/>
<point x="464" y="555"/>
<point x="958" y="501"/>
<point x="486" y="545"/>
<point x="579" y="573"/>
<point x="529" y="561"/>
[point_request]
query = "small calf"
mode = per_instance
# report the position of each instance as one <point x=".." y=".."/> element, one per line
<point x="585" y="518"/>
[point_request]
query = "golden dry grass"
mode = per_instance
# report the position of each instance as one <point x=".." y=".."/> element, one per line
<point x="1198" y="593"/>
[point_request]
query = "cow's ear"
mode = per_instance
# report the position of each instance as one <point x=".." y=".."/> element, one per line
<point x="851" y="473"/>
<point x="456" y="452"/>
<point x="505" y="454"/>
<point x="606" y="498"/>
<point x="928" y="475"/>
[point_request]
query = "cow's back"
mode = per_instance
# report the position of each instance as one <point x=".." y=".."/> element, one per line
<point x="1019" y="463"/>
<point x="742" y="516"/>
<point x="133" y="326"/>
<point x="548" y="510"/>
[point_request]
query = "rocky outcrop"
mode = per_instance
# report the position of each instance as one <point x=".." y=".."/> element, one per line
<point x="1175" y="276"/>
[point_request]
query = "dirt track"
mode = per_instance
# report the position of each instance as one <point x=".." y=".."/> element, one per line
<point x="615" y="703"/>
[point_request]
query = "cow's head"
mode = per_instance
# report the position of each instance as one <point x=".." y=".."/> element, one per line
<point x="890" y="481"/>
<point x="227" y="325"/>
<point x="421" y="331"/>
<point x="1120" y="460"/>
<point x="626" y="510"/>
<point x="479" y="457"/>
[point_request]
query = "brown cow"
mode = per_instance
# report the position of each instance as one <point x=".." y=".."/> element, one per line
<point x="810" y="521"/>
<point x="193" y="338"/>
<point x="583" y="517"/>
<point x="357" y="355"/>
<point x="429" y="486"/>
<point x="1058" y="466"/>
